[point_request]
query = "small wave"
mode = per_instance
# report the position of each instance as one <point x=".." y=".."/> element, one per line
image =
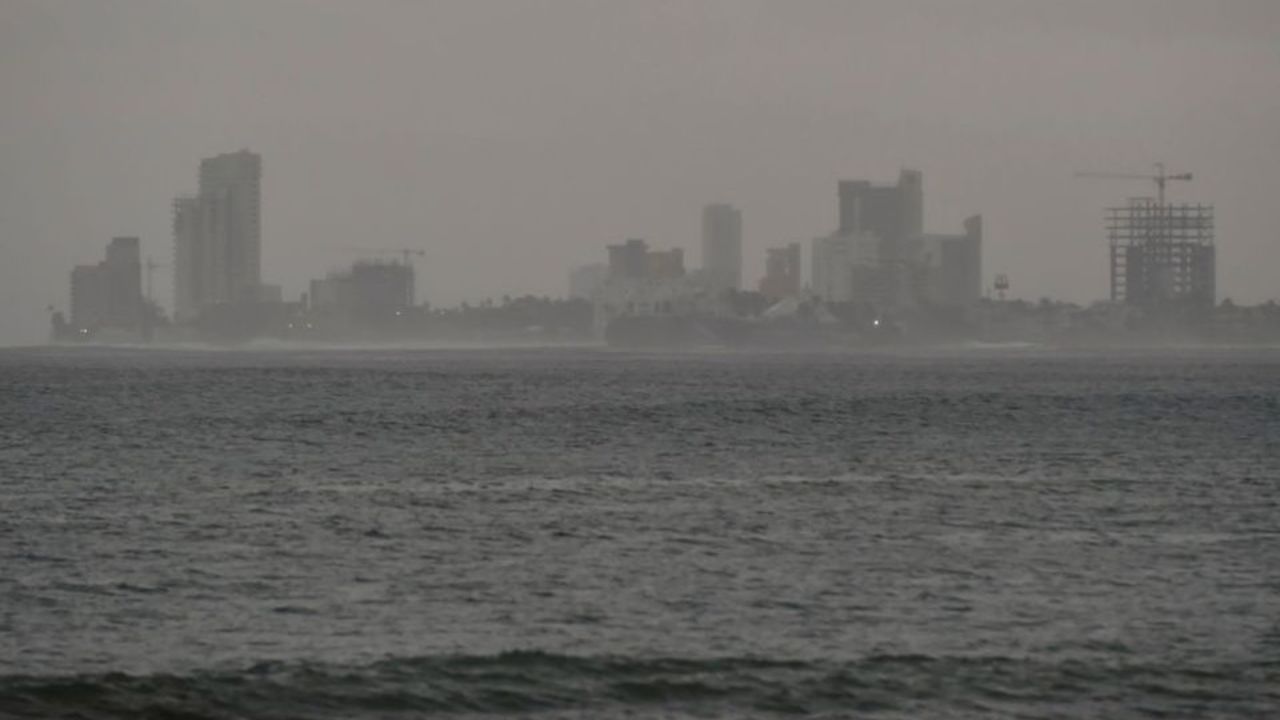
<point x="519" y="683"/>
<point x="294" y="610"/>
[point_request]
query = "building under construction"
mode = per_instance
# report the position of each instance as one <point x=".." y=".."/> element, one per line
<point x="1161" y="253"/>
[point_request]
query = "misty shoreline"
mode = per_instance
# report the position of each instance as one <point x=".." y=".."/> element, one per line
<point x="604" y="349"/>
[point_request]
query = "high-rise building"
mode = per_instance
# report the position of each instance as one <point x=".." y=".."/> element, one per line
<point x="230" y="186"/>
<point x="722" y="246"/>
<point x="218" y="235"/>
<point x="892" y="215"/>
<point x="190" y="264"/>
<point x="88" y="297"/>
<point x="124" y="282"/>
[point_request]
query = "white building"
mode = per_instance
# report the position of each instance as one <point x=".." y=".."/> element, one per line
<point x="624" y="297"/>
<point x="584" y="280"/>
<point x="845" y="267"/>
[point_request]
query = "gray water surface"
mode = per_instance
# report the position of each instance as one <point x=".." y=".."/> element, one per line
<point x="594" y="534"/>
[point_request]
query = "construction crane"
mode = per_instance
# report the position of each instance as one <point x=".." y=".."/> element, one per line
<point x="1160" y="178"/>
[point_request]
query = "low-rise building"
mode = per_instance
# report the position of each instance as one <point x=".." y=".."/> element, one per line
<point x="586" y="279"/>
<point x="951" y="266"/>
<point x="645" y="282"/>
<point x="781" y="272"/>
<point x="846" y="267"/>
<point x="369" y="290"/>
<point x="109" y="293"/>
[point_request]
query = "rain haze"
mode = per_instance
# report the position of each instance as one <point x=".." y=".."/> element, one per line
<point x="512" y="141"/>
<point x="388" y="359"/>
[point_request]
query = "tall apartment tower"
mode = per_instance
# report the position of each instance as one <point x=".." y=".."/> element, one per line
<point x="218" y="235"/>
<point x="722" y="246"/>
<point x="124" y="282"/>
<point x="190" y="264"/>
<point x="890" y="216"/>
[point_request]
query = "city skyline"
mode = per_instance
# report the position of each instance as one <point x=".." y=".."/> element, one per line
<point x="505" y="193"/>
<point x="879" y="258"/>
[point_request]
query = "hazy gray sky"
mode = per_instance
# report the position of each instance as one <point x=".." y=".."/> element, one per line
<point x="512" y="140"/>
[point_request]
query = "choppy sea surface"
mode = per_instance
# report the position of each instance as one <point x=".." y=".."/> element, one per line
<point x="572" y="534"/>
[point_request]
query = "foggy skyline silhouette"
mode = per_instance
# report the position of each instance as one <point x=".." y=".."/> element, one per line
<point x="512" y="142"/>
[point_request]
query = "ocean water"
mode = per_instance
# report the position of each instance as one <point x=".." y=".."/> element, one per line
<point x="571" y="534"/>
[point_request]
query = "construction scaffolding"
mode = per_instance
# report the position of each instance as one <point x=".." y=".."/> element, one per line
<point x="1161" y="253"/>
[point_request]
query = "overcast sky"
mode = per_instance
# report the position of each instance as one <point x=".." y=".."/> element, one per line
<point x="512" y="140"/>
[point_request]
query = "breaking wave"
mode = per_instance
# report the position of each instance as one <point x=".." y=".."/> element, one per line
<point x="520" y="683"/>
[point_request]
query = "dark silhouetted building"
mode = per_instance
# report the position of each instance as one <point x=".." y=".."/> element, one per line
<point x="629" y="259"/>
<point x="722" y="246"/>
<point x="951" y="266"/>
<point x="88" y="297"/>
<point x="109" y="294"/>
<point x="370" y="291"/>
<point x="634" y="260"/>
<point x="893" y="213"/>
<point x="781" y="272"/>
